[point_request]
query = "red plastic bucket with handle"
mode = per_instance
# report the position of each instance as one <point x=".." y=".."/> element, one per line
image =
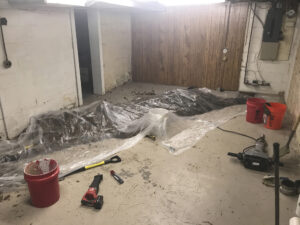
<point x="255" y="110"/>
<point x="42" y="179"/>
<point x="274" y="113"/>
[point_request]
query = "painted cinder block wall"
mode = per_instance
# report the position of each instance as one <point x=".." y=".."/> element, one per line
<point x="116" y="47"/>
<point x="42" y="76"/>
<point x="278" y="73"/>
<point x="45" y="75"/>
<point x="293" y="99"/>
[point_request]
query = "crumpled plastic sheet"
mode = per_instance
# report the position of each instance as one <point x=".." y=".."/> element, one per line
<point x="91" y="133"/>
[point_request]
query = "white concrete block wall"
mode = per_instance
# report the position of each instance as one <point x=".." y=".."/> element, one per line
<point x="278" y="73"/>
<point x="116" y="47"/>
<point x="42" y="76"/>
<point x="94" y="26"/>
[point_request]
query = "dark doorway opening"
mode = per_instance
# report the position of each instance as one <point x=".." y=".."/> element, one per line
<point x="84" y="52"/>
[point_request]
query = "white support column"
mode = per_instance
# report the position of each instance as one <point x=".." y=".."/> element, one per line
<point x="96" y="50"/>
<point x="76" y="59"/>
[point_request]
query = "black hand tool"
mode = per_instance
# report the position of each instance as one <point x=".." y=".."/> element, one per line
<point x="117" y="178"/>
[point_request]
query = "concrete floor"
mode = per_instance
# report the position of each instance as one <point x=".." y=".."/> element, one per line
<point x="130" y="91"/>
<point x="201" y="186"/>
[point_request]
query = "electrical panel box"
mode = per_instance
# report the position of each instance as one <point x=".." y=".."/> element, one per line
<point x="272" y="28"/>
<point x="269" y="50"/>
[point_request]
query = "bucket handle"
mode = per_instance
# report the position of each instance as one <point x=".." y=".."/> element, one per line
<point x="268" y="113"/>
<point x="266" y="110"/>
<point x="257" y="114"/>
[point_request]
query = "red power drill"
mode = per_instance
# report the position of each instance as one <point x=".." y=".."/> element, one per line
<point x="91" y="197"/>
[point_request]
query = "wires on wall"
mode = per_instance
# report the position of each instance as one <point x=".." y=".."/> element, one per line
<point x="257" y="17"/>
<point x="257" y="81"/>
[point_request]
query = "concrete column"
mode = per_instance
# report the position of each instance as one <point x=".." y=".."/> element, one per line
<point x="96" y="50"/>
<point x="76" y="59"/>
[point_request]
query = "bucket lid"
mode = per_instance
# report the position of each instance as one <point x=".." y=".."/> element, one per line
<point x="40" y="167"/>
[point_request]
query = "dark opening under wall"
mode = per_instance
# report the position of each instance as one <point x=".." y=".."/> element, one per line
<point x="84" y="53"/>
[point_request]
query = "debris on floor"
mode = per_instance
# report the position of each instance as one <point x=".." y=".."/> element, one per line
<point x="7" y="197"/>
<point x="118" y="127"/>
<point x="152" y="92"/>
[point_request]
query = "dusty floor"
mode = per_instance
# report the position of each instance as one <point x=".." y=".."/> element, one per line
<point x="201" y="186"/>
<point x="130" y="91"/>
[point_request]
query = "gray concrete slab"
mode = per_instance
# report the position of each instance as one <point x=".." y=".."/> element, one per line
<point x="201" y="186"/>
<point x="130" y="91"/>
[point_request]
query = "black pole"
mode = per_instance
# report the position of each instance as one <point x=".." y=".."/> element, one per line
<point x="276" y="165"/>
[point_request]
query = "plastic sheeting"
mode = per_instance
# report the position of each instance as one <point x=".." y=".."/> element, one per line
<point x="64" y="135"/>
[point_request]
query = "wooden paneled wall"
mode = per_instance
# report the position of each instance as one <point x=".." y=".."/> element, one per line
<point x="184" y="45"/>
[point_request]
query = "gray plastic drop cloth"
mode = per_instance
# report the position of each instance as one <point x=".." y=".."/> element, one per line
<point x="88" y="134"/>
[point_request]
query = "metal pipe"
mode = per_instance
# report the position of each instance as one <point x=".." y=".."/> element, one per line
<point x="228" y="13"/>
<point x="3" y="119"/>
<point x="250" y="39"/>
<point x="3" y="43"/>
<point x="276" y="168"/>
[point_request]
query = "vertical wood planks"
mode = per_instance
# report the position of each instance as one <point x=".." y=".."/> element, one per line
<point x="183" y="46"/>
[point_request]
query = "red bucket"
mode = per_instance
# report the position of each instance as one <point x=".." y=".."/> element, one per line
<point x="274" y="113"/>
<point x="42" y="179"/>
<point x="255" y="110"/>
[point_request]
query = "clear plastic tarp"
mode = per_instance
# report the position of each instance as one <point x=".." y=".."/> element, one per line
<point x="177" y="118"/>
